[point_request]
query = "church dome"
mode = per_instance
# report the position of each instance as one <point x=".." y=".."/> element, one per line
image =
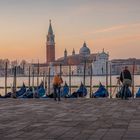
<point x="84" y="50"/>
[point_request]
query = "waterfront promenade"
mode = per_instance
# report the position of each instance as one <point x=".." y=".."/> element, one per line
<point x="76" y="119"/>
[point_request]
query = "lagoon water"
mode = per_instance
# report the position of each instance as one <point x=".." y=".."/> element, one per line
<point x="75" y="81"/>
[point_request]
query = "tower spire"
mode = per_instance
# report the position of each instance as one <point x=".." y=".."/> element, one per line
<point x="50" y="45"/>
<point x="65" y="53"/>
<point x="50" y="31"/>
<point x="73" y="52"/>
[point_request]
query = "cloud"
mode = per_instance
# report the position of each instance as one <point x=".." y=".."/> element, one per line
<point x="116" y="28"/>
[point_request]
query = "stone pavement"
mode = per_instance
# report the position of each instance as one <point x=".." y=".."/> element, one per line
<point x="76" y="119"/>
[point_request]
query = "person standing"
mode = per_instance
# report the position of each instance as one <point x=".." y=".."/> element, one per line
<point x="126" y="79"/>
<point x="57" y="81"/>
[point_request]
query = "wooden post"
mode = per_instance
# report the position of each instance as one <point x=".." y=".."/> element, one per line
<point x="133" y="77"/>
<point x="29" y="84"/>
<point x="84" y="78"/>
<point x="14" y="82"/>
<point x="45" y="80"/>
<point x="6" y="67"/>
<point x="110" y="80"/>
<point x="107" y="75"/>
<point x="33" y="77"/>
<point x="38" y="74"/>
<point x="49" y="84"/>
<point x="70" y="78"/>
<point x="91" y="82"/>
<point x="60" y="70"/>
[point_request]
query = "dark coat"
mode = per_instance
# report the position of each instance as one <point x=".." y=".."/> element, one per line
<point x="125" y="75"/>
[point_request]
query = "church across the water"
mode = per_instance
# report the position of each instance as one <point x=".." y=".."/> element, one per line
<point x="97" y="60"/>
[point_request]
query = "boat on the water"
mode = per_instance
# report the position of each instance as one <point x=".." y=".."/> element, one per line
<point x="138" y="93"/>
<point x="128" y="93"/>
<point x="34" y="92"/>
<point x="101" y="92"/>
<point x="81" y="92"/>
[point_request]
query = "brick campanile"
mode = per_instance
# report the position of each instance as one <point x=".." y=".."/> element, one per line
<point x="50" y="45"/>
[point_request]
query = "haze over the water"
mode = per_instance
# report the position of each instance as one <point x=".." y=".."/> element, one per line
<point x="110" y="24"/>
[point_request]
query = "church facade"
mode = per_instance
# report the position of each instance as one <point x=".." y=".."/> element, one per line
<point x="77" y="60"/>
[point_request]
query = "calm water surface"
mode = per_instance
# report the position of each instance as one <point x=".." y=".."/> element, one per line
<point x="75" y="81"/>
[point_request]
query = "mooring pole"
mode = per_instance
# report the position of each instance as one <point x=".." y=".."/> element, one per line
<point x="133" y="77"/>
<point x="38" y="74"/>
<point x="110" y="80"/>
<point x="45" y="80"/>
<point x="49" y="84"/>
<point x="6" y="67"/>
<point x="91" y="82"/>
<point x="70" y="78"/>
<point x="29" y="82"/>
<point x="84" y="78"/>
<point x="33" y="77"/>
<point x="14" y="82"/>
<point x="60" y="70"/>
<point x="107" y="75"/>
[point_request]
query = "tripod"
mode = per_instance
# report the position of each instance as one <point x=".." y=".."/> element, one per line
<point x="117" y="86"/>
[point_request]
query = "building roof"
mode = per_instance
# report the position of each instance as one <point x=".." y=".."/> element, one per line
<point x="84" y="50"/>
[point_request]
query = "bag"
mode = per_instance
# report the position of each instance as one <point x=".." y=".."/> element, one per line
<point x="127" y="82"/>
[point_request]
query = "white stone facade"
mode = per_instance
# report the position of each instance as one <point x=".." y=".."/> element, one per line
<point x="99" y="65"/>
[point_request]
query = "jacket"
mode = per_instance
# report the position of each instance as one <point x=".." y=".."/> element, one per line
<point x="57" y="80"/>
<point x="125" y="75"/>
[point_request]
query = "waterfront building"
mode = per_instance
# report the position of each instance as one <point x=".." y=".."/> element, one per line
<point x="119" y="64"/>
<point x="99" y="65"/>
<point x="76" y="60"/>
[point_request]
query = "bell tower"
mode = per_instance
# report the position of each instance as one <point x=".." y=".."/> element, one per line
<point x="50" y="45"/>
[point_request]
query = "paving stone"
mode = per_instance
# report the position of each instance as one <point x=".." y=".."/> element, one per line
<point x="77" y="119"/>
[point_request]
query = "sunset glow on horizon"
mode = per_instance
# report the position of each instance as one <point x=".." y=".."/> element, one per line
<point x="112" y="25"/>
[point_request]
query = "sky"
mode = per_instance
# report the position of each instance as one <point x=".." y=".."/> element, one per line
<point x="110" y="24"/>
